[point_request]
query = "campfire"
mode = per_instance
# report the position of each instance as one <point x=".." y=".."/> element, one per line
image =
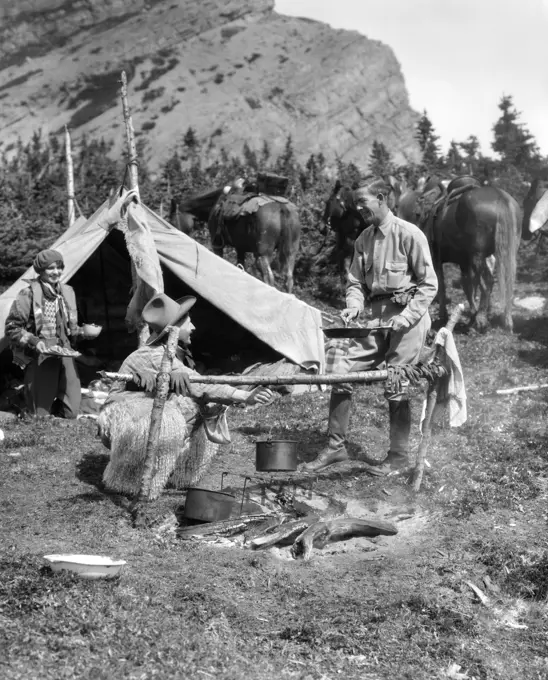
<point x="284" y="511"/>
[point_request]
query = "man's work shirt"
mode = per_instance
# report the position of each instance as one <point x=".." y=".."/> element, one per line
<point x="392" y="258"/>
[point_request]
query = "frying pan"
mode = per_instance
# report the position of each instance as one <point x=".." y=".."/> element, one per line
<point x="354" y="331"/>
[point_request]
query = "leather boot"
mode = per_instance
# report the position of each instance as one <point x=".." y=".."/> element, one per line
<point x="339" y="419"/>
<point x="326" y="457"/>
<point x="400" y="429"/>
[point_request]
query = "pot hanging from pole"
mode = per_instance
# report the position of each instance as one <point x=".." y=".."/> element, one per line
<point x="206" y="505"/>
<point x="276" y="455"/>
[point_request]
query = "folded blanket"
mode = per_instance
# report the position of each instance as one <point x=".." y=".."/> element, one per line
<point x="451" y="391"/>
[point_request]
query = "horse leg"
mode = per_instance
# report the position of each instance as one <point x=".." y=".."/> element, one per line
<point x="469" y="290"/>
<point x="442" y="293"/>
<point x="240" y="259"/>
<point x="484" y="280"/>
<point x="289" y="267"/>
<point x="263" y="263"/>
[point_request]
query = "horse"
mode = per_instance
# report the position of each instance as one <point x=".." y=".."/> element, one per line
<point x="534" y="216"/>
<point x="273" y="226"/>
<point x="409" y="207"/>
<point x="184" y="216"/>
<point x="470" y="225"/>
<point x="342" y="217"/>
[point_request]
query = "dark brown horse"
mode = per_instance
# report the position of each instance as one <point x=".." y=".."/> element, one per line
<point x="185" y="216"/>
<point x="275" y="226"/>
<point x="342" y="217"/>
<point x="481" y="222"/>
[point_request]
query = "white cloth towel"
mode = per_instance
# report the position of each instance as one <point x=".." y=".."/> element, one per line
<point x="451" y="393"/>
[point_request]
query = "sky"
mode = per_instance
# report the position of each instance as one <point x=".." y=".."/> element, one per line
<point x="458" y="57"/>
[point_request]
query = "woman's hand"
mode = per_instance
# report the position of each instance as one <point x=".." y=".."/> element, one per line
<point x="260" y="395"/>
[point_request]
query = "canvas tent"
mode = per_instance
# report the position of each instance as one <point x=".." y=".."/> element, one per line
<point x="238" y="319"/>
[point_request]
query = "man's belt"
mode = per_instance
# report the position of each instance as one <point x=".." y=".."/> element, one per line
<point x="386" y="296"/>
<point x="398" y="298"/>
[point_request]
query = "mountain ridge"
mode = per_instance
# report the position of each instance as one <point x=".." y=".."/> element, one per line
<point x="233" y="70"/>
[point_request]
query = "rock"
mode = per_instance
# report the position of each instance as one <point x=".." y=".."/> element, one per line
<point x="7" y="417"/>
<point x="233" y="70"/>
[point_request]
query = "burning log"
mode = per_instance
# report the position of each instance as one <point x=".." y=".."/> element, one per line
<point x="225" y="527"/>
<point x="321" y="533"/>
<point x="285" y="531"/>
<point x="262" y="528"/>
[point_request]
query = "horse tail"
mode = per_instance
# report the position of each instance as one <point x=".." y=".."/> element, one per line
<point x="506" y="247"/>
<point x="173" y="209"/>
<point x="290" y="233"/>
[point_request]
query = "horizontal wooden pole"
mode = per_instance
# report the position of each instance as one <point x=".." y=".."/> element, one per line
<point x="298" y="379"/>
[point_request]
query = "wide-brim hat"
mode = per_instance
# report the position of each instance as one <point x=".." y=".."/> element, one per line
<point x="162" y="311"/>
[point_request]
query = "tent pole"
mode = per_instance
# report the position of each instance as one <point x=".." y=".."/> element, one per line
<point x="147" y="490"/>
<point x="132" y="165"/>
<point x="130" y="137"/>
<point x="70" y="179"/>
<point x="105" y="298"/>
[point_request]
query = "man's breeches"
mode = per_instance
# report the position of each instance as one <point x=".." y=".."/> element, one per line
<point x="379" y="349"/>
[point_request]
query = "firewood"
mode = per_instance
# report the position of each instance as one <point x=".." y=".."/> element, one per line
<point x="285" y="531"/>
<point x="264" y="527"/>
<point x="341" y="529"/>
<point x="223" y="527"/>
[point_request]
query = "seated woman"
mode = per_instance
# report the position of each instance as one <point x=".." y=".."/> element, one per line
<point x="185" y="443"/>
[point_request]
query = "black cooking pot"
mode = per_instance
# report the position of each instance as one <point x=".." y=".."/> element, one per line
<point x="276" y="455"/>
<point x="208" y="506"/>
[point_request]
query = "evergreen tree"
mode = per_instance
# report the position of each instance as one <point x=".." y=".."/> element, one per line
<point x="454" y="158"/>
<point x="286" y="162"/>
<point x="250" y="158"/>
<point x="471" y="160"/>
<point x="380" y="162"/>
<point x="265" y="155"/>
<point x="190" y="140"/>
<point x="428" y="141"/>
<point x="512" y="140"/>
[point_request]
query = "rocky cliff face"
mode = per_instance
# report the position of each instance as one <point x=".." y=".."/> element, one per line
<point x="233" y="70"/>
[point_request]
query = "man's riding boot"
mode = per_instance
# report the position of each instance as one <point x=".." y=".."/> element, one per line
<point x="339" y="418"/>
<point x="400" y="428"/>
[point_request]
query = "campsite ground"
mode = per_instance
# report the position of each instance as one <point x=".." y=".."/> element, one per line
<point x="399" y="608"/>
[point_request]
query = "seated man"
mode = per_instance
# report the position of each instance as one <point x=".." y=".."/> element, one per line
<point x="125" y="416"/>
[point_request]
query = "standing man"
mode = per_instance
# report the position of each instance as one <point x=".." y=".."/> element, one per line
<point x="392" y="269"/>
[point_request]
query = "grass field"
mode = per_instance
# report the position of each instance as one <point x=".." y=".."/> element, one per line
<point x="399" y="609"/>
